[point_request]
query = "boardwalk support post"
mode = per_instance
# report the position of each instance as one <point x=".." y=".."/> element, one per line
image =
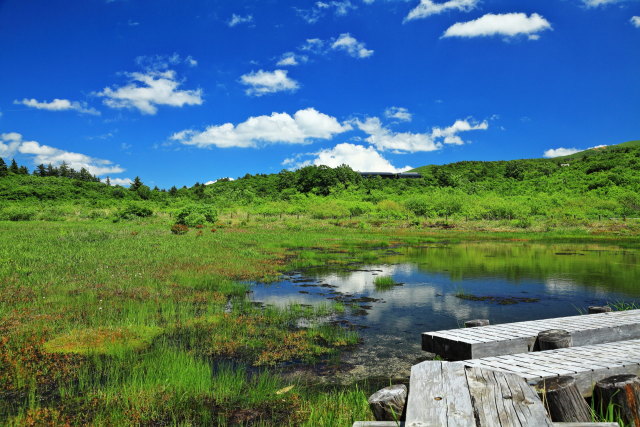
<point x="623" y="392"/>
<point x="388" y="403"/>
<point x="553" y="339"/>
<point x="563" y="400"/>
<point x="597" y="309"/>
<point x="476" y="322"/>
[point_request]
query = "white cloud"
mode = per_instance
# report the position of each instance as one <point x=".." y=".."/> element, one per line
<point x="59" y="105"/>
<point x="558" y="152"/>
<point x="320" y="9"/>
<point x="398" y="113"/>
<point x="300" y="128"/>
<point x="385" y="139"/>
<point x="216" y="180"/>
<point x="359" y="158"/>
<point x="406" y="142"/>
<point x="507" y="25"/>
<point x="12" y="143"/>
<point x="596" y="3"/>
<point x="125" y="182"/>
<point x="148" y="90"/>
<point x="635" y="20"/>
<point x="427" y="8"/>
<point x="450" y="135"/>
<point x="9" y="143"/>
<point x="290" y="59"/>
<point x="265" y="82"/>
<point x="352" y="46"/>
<point x="239" y="19"/>
<point x="163" y="62"/>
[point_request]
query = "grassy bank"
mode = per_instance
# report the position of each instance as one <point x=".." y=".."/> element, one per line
<point x="116" y="323"/>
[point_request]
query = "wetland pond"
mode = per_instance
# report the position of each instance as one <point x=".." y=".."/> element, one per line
<point x="442" y="285"/>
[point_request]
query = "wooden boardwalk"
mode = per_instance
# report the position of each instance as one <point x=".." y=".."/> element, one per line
<point x="520" y="337"/>
<point x="452" y="394"/>
<point x="587" y="364"/>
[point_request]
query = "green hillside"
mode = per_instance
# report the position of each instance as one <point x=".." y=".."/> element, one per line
<point x="588" y="185"/>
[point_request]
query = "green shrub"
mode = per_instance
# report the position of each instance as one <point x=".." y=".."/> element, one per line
<point x="134" y="211"/>
<point x="196" y="215"/>
<point x="16" y="213"/>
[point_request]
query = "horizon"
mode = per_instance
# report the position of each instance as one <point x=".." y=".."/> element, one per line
<point x="178" y="95"/>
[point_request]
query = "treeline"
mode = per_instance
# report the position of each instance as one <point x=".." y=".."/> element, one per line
<point x="591" y="185"/>
<point x="64" y="170"/>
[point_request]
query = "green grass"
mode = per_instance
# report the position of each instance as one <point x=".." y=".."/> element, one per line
<point x="384" y="283"/>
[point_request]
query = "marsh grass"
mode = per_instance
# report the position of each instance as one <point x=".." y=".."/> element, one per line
<point x="125" y="323"/>
<point x="384" y="283"/>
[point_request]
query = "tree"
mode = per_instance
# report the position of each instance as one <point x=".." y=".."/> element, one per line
<point x="14" y="167"/>
<point x="173" y="191"/>
<point x="137" y="183"/>
<point x="40" y="170"/>
<point x="4" y="171"/>
<point x="22" y="170"/>
<point x="108" y="181"/>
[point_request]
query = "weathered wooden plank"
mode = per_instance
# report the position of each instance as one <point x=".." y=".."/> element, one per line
<point x="504" y="400"/>
<point x="439" y="396"/>
<point x="587" y="364"/>
<point x="378" y="424"/>
<point x="519" y="337"/>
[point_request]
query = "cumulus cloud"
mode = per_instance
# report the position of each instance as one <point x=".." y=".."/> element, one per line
<point x="321" y="8"/>
<point x="300" y="128"/>
<point x="359" y="158"/>
<point x="147" y="91"/>
<point x="635" y="20"/>
<point x="406" y="142"/>
<point x="427" y="8"/>
<point x="239" y="19"/>
<point x="398" y="113"/>
<point x="12" y="143"/>
<point x="289" y="59"/>
<point x="352" y="46"/>
<point x="450" y="135"/>
<point x="266" y="82"/>
<point x="558" y="152"/>
<point x="507" y="25"/>
<point x="58" y="105"/>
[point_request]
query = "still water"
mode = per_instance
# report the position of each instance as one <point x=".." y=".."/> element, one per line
<point x="525" y="282"/>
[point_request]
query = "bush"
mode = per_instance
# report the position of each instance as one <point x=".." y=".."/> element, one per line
<point x="18" y="214"/>
<point x="179" y="229"/>
<point x="196" y="215"/>
<point x="134" y="211"/>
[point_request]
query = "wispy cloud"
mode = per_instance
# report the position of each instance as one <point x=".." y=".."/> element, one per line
<point x="267" y="82"/>
<point x="427" y="8"/>
<point x="384" y="138"/>
<point x="12" y="143"/>
<point x="304" y="126"/>
<point x="239" y="19"/>
<point x="58" y="105"/>
<point x="507" y="25"/>
<point x="398" y="113"/>
<point x="146" y="91"/>
<point x="321" y="8"/>
<point x="352" y="46"/>
<point x="289" y="59"/>
<point x="164" y="62"/>
<point x="635" y="21"/>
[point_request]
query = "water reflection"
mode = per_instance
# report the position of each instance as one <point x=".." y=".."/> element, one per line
<point x="561" y="279"/>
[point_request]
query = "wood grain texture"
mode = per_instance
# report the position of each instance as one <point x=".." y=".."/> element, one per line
<point x="520" y="337"/>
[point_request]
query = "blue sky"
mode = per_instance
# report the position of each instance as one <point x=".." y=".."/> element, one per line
<point x="185" y="92"/>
